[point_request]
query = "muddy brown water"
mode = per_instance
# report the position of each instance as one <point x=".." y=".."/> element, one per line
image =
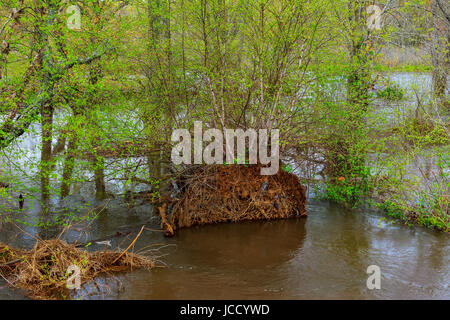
<point x="323" y="256"/>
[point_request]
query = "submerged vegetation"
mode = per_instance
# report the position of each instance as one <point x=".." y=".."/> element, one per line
<point x="391" y="92"/>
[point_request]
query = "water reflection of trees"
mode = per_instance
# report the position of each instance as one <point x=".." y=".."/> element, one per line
<point x="243" y="245"/>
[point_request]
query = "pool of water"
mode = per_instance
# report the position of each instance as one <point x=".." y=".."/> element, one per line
<point x="323" y="256"/>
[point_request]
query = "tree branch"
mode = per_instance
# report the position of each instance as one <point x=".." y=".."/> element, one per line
<point x="96" y="55"/>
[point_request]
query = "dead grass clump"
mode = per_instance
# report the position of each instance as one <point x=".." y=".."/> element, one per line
<point x="42" y="271"/>
<point x="230" y="193"/>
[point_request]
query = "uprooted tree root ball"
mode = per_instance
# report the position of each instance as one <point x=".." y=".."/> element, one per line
<point x="230" y="193"/>
<point x="42" y="271"/>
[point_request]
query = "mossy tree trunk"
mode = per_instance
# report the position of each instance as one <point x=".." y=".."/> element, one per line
<point x="440" y="51"/>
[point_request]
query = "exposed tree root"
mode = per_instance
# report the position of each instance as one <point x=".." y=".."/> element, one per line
<point x="230" y="193"/>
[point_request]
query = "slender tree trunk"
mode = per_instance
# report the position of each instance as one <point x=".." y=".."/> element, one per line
<point x="46" y="107"/>
<point x="46" y="152"/>
<point x="439" y="54"/>
<point x="100" y="189"/>
<point x="158" y="35"/>
<point x="344" y="159"/>
<point x="69" y="164"/>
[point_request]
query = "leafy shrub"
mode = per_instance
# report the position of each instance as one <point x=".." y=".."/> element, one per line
<point x="392" y="92"/>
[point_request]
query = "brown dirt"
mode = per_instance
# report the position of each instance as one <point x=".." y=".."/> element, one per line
<point x="231" y="193"/>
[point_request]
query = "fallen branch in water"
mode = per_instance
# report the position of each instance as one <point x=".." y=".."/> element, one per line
<point x="131" y="244"/>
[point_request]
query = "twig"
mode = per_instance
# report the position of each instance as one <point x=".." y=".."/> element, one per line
<point x="11" y="262"/>
<point x="131" y="244"/>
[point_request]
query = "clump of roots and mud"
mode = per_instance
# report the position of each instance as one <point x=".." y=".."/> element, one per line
<point x="42" y="272"/>
<point x="230" y="193"/>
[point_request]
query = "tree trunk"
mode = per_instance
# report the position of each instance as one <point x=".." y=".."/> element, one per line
<point x="46" y="152"/>
<point x="100" y="189"/>
<point x="69" y="164"/>
<point x="439" y="54"/>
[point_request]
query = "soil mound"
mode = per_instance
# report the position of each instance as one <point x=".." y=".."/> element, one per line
<point x="230" y="193"/>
